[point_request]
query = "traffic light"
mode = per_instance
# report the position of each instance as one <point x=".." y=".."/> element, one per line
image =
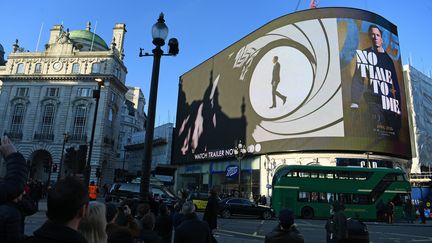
<point x="98" y="172"/>
<point x="69" y="157"/>
<point x="173" y="46"/>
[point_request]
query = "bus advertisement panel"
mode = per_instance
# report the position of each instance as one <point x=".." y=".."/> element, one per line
<point x="327" y="79"/>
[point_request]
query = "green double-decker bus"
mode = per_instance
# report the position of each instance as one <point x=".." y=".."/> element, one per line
<point x="310" y="190"/>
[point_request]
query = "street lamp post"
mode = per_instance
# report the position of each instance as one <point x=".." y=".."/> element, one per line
<point x="159" y="34"/>
<point x="65" y="138"/>
<point x="96" y="95"/>
<point x="270" y="166"/>
<point x="367" y="159"/>
<point x="239" y="153"/>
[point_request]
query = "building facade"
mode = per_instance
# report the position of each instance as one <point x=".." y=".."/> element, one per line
<point x="48" y="94"/>
<point x="161" y="154"/>
<point x="132" y="121"/>
<point x="419" y="102"/>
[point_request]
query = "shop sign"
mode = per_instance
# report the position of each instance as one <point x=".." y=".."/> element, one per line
<point x="231" y="171"/>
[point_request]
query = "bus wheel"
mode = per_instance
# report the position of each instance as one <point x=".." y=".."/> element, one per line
<point x="307" y="213"/>
<point x="267" y="215"/>
<point x="226" y="214"/>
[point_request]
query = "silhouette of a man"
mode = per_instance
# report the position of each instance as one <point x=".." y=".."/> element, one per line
<point x="275" y="81"/>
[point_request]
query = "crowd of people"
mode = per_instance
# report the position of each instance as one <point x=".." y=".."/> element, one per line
<point x="73" y="214"/>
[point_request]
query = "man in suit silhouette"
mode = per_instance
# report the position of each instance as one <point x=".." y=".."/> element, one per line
<point x="275" y="82"/>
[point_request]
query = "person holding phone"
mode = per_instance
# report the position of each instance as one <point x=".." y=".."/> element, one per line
<point x="13" y="183"/>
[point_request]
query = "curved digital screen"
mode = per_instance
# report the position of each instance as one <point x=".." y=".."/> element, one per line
<point x="326" y="79"/>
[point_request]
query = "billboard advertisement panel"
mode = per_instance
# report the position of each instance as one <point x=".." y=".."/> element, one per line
<point x="326" y="79"/>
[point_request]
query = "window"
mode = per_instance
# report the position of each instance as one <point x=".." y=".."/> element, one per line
<point x="17" y="119"/>
<point x="84" y="92"/>
<point x="342" y="175"/>
<point x="117" y="73"/>
<point x="80" y="121"/>
<point x="303" y="196"/>
<point x="96" y="67"/>
<point x="38" y="68"/>
<point x="20" y="68"/>
<point x="304" y="174"/>
<point x="113" y="97"/>
<point x="76" y="68"/>
<point x="52" y="92"/>
<point x="314" y="174"/>
<point x="48" y="119"/>
<point x="110" y="117"/>
<point x="234" y="201"/>
<point x="22" y="92"/>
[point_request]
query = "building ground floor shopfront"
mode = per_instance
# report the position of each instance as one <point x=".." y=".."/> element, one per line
<point x="256" y="173"/>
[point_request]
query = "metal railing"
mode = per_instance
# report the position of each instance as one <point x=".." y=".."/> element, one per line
<point x="15" y="135"/>
<point x="77" y="138"/>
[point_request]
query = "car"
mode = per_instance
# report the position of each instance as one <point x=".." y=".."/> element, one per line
<point x="241" y="206"/>
<point x="199" y="199"/>
<point x="122" y="191"/>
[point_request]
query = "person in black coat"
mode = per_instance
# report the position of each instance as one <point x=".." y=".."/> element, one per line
<point x="286" y="230"/>
<point x="164" y="224"/>
<point x="11" y="221"/>
<point x="212" y="210"/>
<point x="192" y="230"/>
<point x="67" y="204"/>
<point x="13" y="183"/>
<point x="148" y="234"/>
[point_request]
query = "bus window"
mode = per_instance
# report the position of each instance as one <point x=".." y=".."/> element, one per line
<point x="363" y="199"/>
<point x="303" y="197"/>
<point x="294" y="174"/>
<point x="345" y="198"/>
<point x="330" y="176"/>
<point x="330" y="197"/>
<point x="389" y="177"/>
<point x="314" y="197"/>
<point x="400" y="178"/>
<point x="323" y="197"/>
<point x="304" y="174"/>
<point x="314" y="175"/>
<point x="322" y="175"/>
<point x="361" y="176"/>
<point x="343" y="175"/>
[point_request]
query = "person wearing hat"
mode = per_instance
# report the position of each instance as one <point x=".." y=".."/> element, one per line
<point x="286" y="230"/>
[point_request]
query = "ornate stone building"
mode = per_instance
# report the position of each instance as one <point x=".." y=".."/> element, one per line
<point x="47" y="94"/>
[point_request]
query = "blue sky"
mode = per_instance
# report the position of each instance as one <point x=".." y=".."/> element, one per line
<point x="203" y="28"/>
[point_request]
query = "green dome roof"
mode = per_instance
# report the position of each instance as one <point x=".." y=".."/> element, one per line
<point x="77" y="35"/>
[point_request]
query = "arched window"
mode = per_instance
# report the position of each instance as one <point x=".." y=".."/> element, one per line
<point x="20" y="68"/>
<point x="17" y="120"/>
<point x="76" y="68"/>
<point x="80" y="121"/>
<point x="48" y="119"/>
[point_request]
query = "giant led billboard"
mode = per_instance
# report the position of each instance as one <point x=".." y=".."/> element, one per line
<point x="326" y="79"/>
